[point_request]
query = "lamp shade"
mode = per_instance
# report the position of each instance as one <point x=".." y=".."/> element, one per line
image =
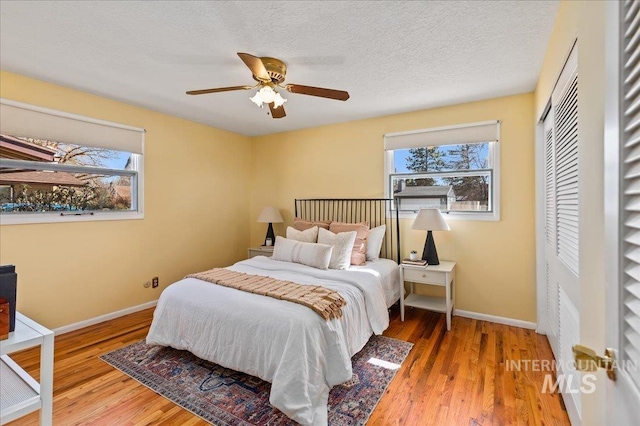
<point x="270" y="215"/>
<point x="430" y="220"/>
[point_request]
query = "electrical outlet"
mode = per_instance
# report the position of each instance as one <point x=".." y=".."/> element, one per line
<point x="155" y="282"/>
<point x="147" y="284"/>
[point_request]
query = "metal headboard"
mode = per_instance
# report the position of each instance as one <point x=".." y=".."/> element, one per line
<point x="376" y="211"/>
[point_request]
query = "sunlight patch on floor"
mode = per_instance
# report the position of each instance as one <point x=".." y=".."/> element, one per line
<point x="384" y="364"/>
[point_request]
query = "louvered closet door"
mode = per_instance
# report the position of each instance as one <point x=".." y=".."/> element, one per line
<point x="630" y="150"/>
<point x="550" y="234"/>
<point x="622" y="192"/>
<point x="561" y="226"/>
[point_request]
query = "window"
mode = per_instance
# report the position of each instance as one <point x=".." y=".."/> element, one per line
<point x="453" y="168"/>
<point x="59" y="167"/>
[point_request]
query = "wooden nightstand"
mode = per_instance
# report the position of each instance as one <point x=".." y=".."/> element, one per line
<point x="443" y="275"/>
<point x="260" y="251"/>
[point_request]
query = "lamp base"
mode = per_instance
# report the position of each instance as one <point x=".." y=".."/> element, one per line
<point x="430" y="253"/>
<point x="270" y="234"/>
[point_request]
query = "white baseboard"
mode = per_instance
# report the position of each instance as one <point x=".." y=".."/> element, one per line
<point x="102" y="318"/>
<point x="496" y="319"/>
<point x="127" y="311"/>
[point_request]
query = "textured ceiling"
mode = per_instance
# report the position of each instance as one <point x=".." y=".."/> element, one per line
<point x="391" y="57"/>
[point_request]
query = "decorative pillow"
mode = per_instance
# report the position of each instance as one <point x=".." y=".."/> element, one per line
<point x="358" y="253"/>
<point x="342" y="245"/>
<point x="310" y="254"/>
<point x="307" y="236"/>
<point x="374" y="242"/>
<point x="301" y="224"/>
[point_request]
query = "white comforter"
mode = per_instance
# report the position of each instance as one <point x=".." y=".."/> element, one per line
<point x="285" y="343"/>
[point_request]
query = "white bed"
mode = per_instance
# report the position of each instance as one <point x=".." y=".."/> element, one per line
<point x="287" y="344"/>
<point x="387" y="271"/>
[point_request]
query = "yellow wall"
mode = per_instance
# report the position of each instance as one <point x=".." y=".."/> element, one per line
<point x="196" y="215"/>
<point x="496" y="260"/>
<point x="585" y="21"/>
<point x="201" y="192"/>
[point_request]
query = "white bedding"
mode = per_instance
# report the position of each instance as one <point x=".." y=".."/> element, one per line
<point x="287" y="344"/>
<point x="389" y="272"/>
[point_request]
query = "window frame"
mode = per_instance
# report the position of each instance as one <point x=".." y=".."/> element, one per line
<point x="494" y="189"/>
<point x="136" y="172"/>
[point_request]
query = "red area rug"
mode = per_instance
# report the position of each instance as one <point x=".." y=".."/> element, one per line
<point x="227" y="397"/>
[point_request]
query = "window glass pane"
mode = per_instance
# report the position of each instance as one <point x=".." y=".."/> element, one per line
<point x="24" y="148"/>
<point x="52" y="191"/>
<point x="464" y="192"/>
<point x="472" y="156"/>
<point x="36" y="189"/>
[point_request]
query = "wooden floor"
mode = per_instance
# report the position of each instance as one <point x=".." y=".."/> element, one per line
<point x="449" y="378"/>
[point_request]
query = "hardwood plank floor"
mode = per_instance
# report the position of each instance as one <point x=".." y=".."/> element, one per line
<point x="449" y="378"/>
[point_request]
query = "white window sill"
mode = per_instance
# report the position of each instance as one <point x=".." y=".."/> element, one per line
<point x="24" y="219"/>
<point x="485" y="217"/>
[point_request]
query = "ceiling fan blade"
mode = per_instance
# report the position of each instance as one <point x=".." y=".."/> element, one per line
<point x="277" y="112"/>
<point x="219" y="89"/>
<point x="339" y="95"/>
<point x="256" y="66"/>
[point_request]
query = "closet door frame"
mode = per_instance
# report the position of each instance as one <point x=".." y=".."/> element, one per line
<point x="542" y="325"/>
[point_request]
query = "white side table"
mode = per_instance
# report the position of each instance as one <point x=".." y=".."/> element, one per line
<point x="20" y="394"/>
<point x="443" y="275"/>
<point x="260" y="251"/>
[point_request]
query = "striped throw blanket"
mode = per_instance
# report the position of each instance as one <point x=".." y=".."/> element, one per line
<point x="325" y="302"/>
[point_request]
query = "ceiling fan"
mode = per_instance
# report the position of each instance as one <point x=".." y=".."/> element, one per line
<point x="270" y="73"/>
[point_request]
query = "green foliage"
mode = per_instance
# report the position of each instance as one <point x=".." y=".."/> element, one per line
<point x="65" y="198"/>
<point x="468" y="188"/>
<point x="424" y="160"/>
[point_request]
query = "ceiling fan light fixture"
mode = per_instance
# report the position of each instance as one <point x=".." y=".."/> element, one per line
<point x="256" y="99"/>
<point x="267" y="94"/>
<point x="278" y="101"/>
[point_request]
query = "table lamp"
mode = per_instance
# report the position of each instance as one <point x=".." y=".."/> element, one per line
<point x="270" y="215"/>
<point x="430" y="220"/>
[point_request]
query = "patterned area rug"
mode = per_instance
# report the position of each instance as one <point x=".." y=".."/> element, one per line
<point x="227" y="397"/>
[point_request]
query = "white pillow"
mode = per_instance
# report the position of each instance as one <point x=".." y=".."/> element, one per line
<point x="374" y="242"/>
<point x="310" y="254"/>
<point x="307" y="236"/>
<point x="342" y="245"/>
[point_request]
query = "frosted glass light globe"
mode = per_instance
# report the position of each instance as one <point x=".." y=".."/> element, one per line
<point x="267" y="94"/>
<point x="256" y="99"/>
<point x="278" y="101"/>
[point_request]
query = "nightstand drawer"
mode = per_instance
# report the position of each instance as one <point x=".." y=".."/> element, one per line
<point x="424" y="276"/>
<point x="260" y="251"/>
